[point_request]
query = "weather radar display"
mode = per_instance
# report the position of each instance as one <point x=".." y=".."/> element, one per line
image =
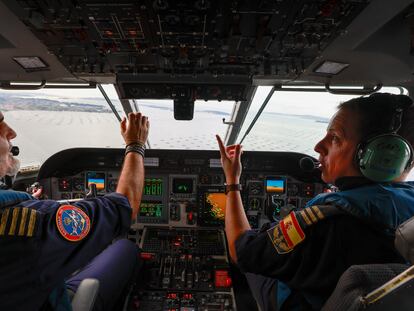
<point x="216" y="205"/>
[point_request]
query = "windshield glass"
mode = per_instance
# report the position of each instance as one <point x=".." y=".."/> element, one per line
<point x="293" y="121"/>
<point x="50" y="120"/>
<point x="199" y="133"/>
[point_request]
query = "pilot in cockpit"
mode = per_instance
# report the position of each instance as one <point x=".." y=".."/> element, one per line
<point x="44" y="242"/>
<point x="367" y="153"/>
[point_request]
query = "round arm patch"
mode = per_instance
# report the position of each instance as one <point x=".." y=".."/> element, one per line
<point x="72" y="222"/>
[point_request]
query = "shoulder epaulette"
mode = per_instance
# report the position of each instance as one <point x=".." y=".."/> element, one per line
<point x="289" y="232"/>
<point x="313" y="214"/>
<point x="18" y="221"/>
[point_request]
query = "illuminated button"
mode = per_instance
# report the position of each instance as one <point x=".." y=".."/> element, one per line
<point x="187" y="296"/>
<point x="222" y="278"/>
<point x="171" y="296"/>
<point x="146" y="256"/>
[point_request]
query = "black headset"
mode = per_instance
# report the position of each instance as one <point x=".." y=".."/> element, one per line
<point x="384" y="157"/>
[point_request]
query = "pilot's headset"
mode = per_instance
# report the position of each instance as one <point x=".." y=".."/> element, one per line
<point x="386" y="156"/>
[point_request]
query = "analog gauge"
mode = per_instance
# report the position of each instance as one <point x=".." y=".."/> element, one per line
<point x="205" y="179"/>
<point x="256" y="188"/>
<point x="293" y="189"/>
<point x="292" y="201"/>
<point x="217" y="180"/>
<point x="112" y="184"/>
<point x="78" y="184"/>
<point x="64" y="184"/>
<point x="255" y="204"/>
<point x="66" y="196"/>
<point x="78" y="196"/>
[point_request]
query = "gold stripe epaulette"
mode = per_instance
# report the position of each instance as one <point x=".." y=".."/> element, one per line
<point x="290" y="231"/>
<point x="313" y="214"/>
<point x="18" y="221"/>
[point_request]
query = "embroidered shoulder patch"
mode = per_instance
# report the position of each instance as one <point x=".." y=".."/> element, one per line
<point x="286" y="234"/>
<point x="72" y="222"/>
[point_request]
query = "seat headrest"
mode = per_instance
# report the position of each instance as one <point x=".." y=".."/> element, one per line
<point x="404" y="239"/>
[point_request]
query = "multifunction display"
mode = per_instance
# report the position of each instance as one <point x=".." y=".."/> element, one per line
<point x="153" y="186"/>
<point x="212" y="205"/>
<point x="275" y="185"/>
<point x="183" y="185"/>
<point x="97" y="178"/>
<point x="151" y="209"/>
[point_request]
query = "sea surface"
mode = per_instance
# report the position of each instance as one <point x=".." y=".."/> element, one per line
<point x="40" y="134"/>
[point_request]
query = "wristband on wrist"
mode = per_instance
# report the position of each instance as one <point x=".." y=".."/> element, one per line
<point x="136" y="143"/>
<point x="135" y="147"/>
<point x="232" y="187"/>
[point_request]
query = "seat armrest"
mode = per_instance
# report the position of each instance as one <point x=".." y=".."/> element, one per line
<point x="404" y="240"/>
<point x="85" y="296"/>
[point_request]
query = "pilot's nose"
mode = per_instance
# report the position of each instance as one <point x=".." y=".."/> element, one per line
<point x="10" y="133"/>
<point x="320" y="148"/>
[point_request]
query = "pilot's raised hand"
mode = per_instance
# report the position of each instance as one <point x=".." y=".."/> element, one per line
<point x="135" y="130"/>
<point x="230" y="160"/>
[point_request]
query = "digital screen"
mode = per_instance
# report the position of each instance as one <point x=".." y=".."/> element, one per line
<point x="96" y="178"/>
<point x="275" y="185"/>
<point x="153" y="186"/>
<point x="151" y="209"/>
<point x="214" y="207"/>
<point x="182" y="185"/>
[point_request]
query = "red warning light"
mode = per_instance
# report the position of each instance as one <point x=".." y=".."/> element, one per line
<point x="222" y="278"/>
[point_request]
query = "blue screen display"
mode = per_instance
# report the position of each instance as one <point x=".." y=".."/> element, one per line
<point x="275" y="185"/>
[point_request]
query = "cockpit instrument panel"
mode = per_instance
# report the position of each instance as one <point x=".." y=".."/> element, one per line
<point x="180" y="224"/>
<point x="189" y="191"/>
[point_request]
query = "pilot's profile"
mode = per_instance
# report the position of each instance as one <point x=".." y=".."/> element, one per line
<point x="43" y="242"/>
<point x="297" y="261"/>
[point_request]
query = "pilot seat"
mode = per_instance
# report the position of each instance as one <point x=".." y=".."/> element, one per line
<point x="379" y="287"/>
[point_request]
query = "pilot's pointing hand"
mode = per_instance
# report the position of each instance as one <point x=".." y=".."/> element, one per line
<point x="135" y="130"/>
<point x="230" y="160"/>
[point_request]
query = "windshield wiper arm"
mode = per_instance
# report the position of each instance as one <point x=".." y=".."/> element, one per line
<point x="269" y="96"/>
<point x="109" y="102"/>
<point x="136" y="108"/>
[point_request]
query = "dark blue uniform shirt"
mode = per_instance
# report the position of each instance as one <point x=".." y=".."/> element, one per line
<point x="35" y="254"/>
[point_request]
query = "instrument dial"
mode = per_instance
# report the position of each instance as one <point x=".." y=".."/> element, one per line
<point x="293" y="189"/>
<point x="255" y="204"/>
<point x="205" y="179"/>
<point x="66" y="196"/>
<point x="256" y="188"/>
<point x="64" y="184"/>
<point x="78" y="196"/>
<point x="78" y="184"/>
<point x="112" y="184"/>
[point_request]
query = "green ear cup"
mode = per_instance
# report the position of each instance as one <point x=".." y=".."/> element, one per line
<point x="384" y="157"/>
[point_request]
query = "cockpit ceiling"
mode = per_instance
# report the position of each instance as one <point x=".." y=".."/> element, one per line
<point x="231" y="44"/>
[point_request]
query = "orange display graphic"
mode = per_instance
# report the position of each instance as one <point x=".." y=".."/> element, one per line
<point x="217" y="202"/>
